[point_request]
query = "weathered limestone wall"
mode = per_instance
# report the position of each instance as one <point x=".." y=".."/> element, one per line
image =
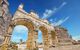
<point x="63" y="36"/>
<point x="5" y="17"/>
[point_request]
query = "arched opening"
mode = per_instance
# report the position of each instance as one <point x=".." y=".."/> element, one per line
<point x="19" y="32"/>
<point x="40" y="37"/>
<point x="19" y="36"/>
<point x="40" y="40"/>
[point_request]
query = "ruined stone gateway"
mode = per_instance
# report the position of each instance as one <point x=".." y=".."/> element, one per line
<point x="31" y="21"/>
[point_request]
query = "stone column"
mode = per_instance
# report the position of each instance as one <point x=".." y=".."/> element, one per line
<point x="50" y="40"/>
<point x="36" y="38"/>
<point x="7" y="39"/>
<point x="46" y="41"/>
<point x="30" y="41"/>
<point x="9" y="33"/>
<point x="56" y="41"/>
<point x="54" y="38"/>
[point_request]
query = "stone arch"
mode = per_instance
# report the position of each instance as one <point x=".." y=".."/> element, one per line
<point x="21" y="21"/>
<point x="45" y="37"/>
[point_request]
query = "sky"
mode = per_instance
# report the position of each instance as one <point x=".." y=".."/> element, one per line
<point x="58" y="12"/>
<point x="19" y="32"/>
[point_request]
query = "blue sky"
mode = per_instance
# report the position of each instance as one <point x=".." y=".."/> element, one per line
<point x="58" y="12"/>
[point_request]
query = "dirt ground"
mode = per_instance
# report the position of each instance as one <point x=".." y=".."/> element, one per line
<point x="70" y="47"/>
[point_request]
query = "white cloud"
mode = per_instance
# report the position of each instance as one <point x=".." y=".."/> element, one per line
<point x="49" y="12"/>
<point x="20" y="28"/>
<point x="60" y="22"/>
<point x="76" y="37"/>
<point x="52" y="20"/>
<point x="62" y="5"/>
